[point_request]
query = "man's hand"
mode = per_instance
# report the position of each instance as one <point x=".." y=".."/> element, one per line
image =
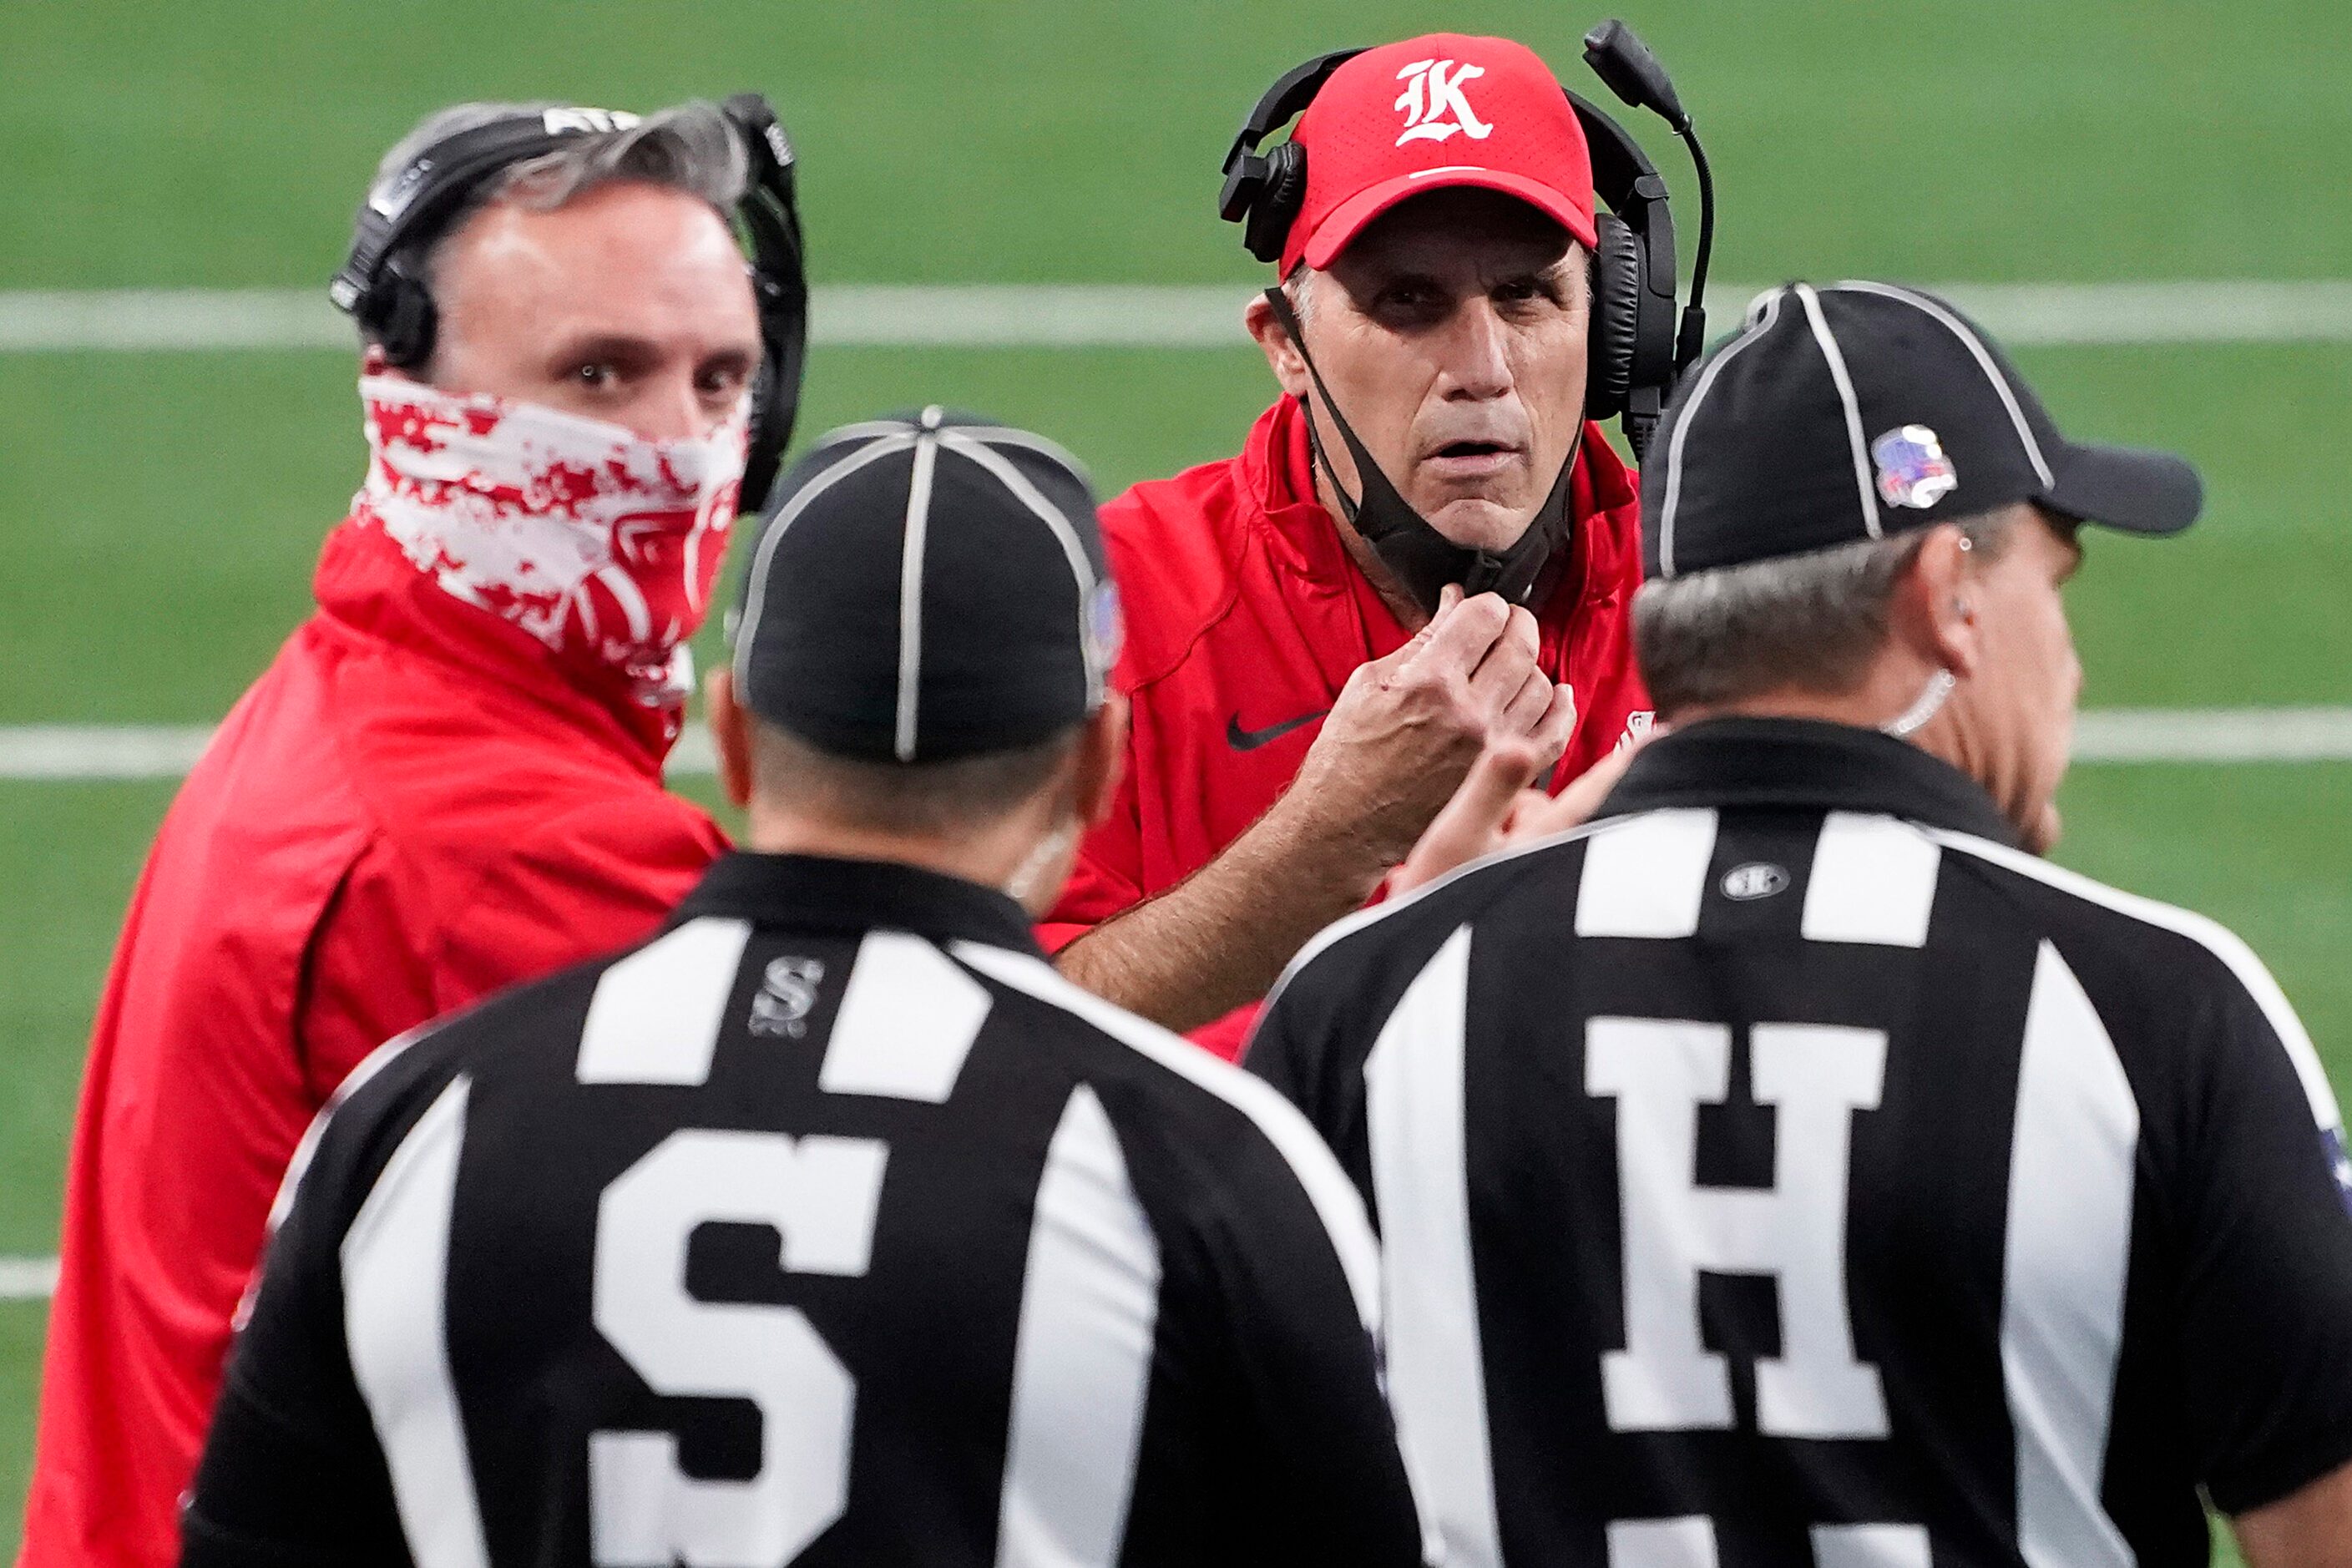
<point x="1497" y="808"/>
<point x="1397" y="746"/>
<point x="1407" y="728"/>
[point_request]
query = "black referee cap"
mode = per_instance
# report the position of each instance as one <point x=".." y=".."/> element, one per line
<point x="1858" y="410"/>
<point x="925" y="587"/>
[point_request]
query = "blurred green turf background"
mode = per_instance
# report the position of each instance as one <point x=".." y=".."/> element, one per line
<point x="161" y="511"/>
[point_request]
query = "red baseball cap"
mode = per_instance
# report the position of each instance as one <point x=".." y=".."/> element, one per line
<point x="1436" y="110"/>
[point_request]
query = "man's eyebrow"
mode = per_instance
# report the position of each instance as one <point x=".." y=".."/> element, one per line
<point x="617" y="346"/>
<point x="1405" y="277"/>
<point x="1551" y="280"/>
<point x="1557" y="274"/>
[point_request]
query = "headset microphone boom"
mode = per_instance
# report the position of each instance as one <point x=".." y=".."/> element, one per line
<point x="1631" y="71"/>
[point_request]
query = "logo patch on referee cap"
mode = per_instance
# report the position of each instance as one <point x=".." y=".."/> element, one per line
<point x="1105" y="626"/>
<point x="1912" y="468"/>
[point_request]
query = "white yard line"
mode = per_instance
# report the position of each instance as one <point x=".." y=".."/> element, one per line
<point x="93" y="753"/>
<point x="1135" y="315"/>
<point x="2214" y="735"/>
<point x="27" y="1279"/>
<point x="69" y="752"/>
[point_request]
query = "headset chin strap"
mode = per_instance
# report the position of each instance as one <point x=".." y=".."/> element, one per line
<point x="1424" y="561"/>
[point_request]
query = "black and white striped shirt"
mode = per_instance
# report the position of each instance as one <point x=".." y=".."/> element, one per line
<point x="1785" y="1169"/>
<point x="830" y="1226"/>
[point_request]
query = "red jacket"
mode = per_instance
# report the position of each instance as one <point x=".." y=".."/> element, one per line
<point x="409" y="809"/>
<point x="1246" y="614"/>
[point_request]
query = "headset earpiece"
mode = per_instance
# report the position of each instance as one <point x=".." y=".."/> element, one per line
<point x="1631" y="335"/>
<point x="771" y="218"/>
<point x="1264" y="191"/>
<point x="1282" y="191"/>
<point x="400" y="315"/>
<point x="1614" y="327"/>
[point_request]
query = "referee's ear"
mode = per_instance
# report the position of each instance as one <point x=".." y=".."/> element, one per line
<point x="1102" y="758"/>
<point x="1936" y="609"/>
<point x="730" y="734"/>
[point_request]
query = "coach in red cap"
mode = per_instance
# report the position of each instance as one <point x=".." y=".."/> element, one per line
<point x="1423" y="546"/>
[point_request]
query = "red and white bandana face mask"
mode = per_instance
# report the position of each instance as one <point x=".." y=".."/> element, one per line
<point x="599" y="542"/>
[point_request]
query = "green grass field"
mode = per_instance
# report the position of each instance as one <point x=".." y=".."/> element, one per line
<point x="161" y="511"/>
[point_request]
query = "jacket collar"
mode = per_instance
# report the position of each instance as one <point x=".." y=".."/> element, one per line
<point x="365" y="585"/>
<point x="1278" y="473"/>
<point x="1805" y="762"/>
<point x="817" y="893"/>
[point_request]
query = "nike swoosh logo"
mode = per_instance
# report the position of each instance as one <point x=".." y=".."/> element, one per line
<point x="1242" y="740"/>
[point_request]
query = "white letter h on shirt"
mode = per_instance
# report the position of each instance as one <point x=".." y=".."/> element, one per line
<point x="1815" y="1076"/>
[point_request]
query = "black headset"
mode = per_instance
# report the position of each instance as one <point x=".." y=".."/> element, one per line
<point x="1637" y="351"/>
<point x="381" y="285"/>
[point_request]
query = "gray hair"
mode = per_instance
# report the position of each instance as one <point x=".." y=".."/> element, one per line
<point x="1813" y="622"/>
<point x="691" y="147"/>
<point x="1299" y="288"/>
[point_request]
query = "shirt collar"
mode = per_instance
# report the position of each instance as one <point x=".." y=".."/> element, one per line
<point x="818" y="893"/>
<point x="363" y="582"/>
<point x="1805" y="762"/>
<point x="1278" y="472"/>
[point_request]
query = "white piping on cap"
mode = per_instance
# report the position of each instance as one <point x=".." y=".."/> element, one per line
<point x="816" y="487"/>
<point x="1762" y="312"/>
<point x="1081" y="569"/>
<point x="1006" y="436"/>
<point x="1828" y="340"/>
<point x="910" y="583"/>
<point x="1974" y="346"/>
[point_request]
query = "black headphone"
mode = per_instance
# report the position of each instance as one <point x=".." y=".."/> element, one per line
<point x="379" y="285"/>
<point x="1637" y="353"/>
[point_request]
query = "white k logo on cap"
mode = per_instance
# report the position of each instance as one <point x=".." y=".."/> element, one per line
<point x="1432" y="103"/>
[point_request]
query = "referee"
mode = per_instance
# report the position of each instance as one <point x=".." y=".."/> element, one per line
<point x="830" y="1227"/>
<point x="1791" y="1167"/>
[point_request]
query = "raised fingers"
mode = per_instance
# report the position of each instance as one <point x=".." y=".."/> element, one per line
<point x="1462" y="635"/>
<point x="1507" y="662"/>
<point x="1553" y="731"/>
<point x="1471" y="823"/>
<point x="1528" y="705"/>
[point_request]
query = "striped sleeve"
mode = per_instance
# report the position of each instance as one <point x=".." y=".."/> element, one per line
<point x="2245" y="1146"/>
<point x="2267" y="1307"/>
<point x="292" y="1473"/>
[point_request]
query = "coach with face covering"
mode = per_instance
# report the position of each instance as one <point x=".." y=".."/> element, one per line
<point x="1424" y="548"/>
<point x="450" y="778"/>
